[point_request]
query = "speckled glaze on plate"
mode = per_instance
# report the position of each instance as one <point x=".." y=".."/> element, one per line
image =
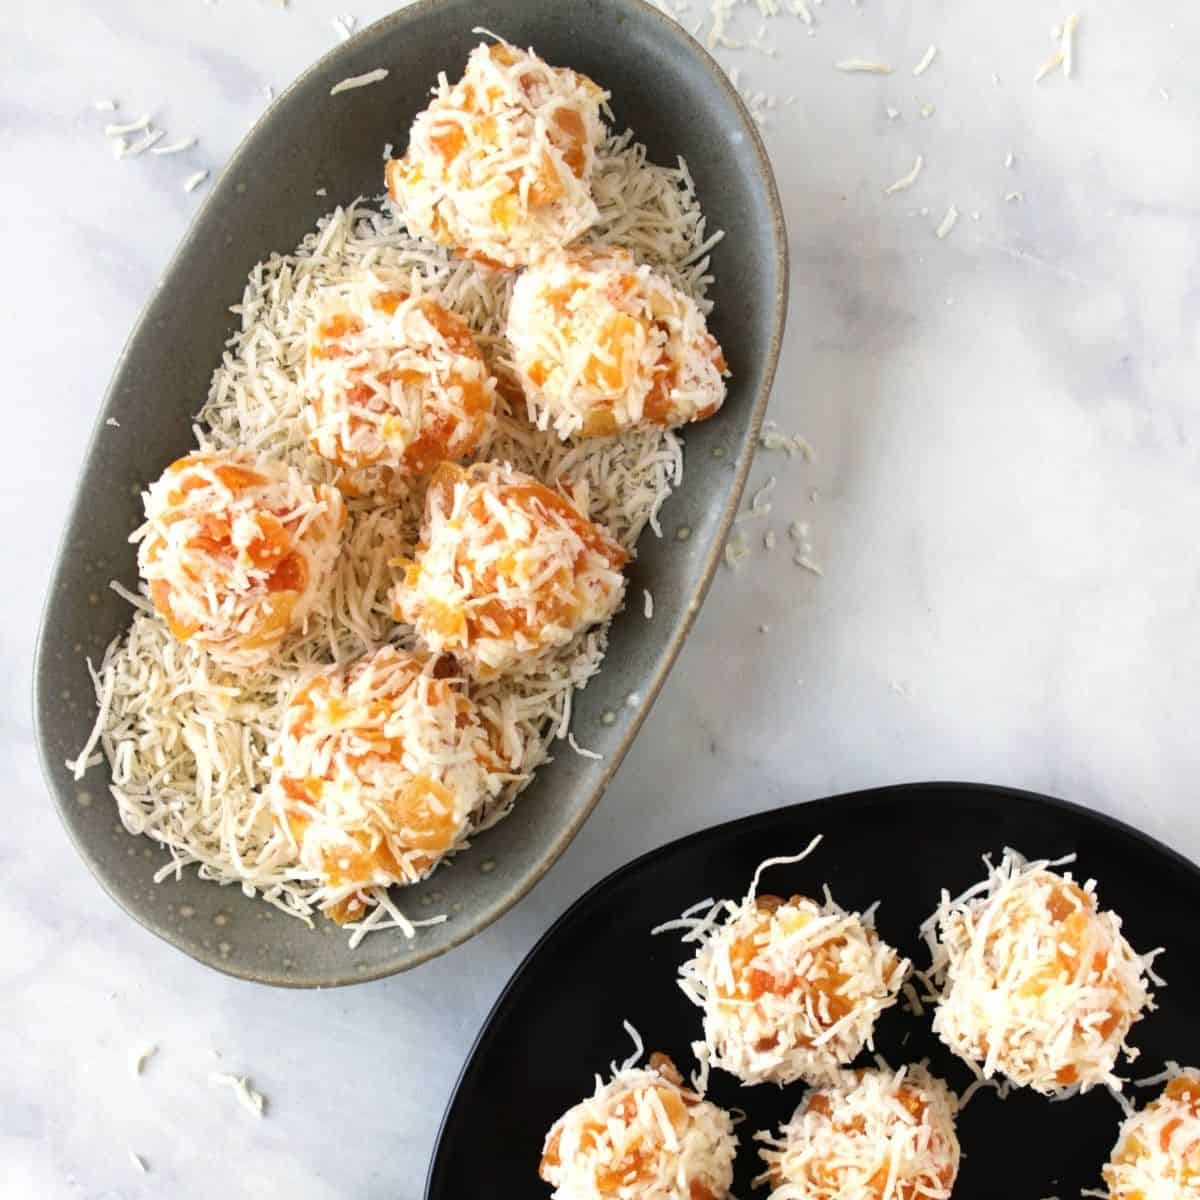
<point x="679" y="102"/>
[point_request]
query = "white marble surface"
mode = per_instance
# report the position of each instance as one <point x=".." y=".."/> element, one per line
<point x="1007" y="505"/>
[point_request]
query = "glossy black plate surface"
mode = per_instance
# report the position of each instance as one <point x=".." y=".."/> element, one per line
<point x="558" y="1022"/>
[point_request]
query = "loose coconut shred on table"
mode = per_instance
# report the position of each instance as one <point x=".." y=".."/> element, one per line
<point x="189" y="744"/>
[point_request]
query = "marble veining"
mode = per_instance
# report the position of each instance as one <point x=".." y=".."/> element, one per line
<point x="1004" y="503"/>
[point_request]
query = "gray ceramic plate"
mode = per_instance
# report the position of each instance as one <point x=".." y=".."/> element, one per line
<point x="679" y="102"/>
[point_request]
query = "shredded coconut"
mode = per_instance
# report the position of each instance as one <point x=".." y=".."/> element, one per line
<point x="395" y="382"/>
<point x="1171" y="1070"/>
<point x="507" y="570"/>
<point x="948" y="222"/>
<point x="866" y="1133"/>
<point x="644" y="1130"/>
<point x="630" y="350"/>
<point x="188" y="743"/>
<point x="236" y="549"/>
<point x="359" y="81"/>
<point x="142" y="1057"/>
<point x="131" y="127"/>
<point x="360" y="818"/>
<point x="252" y="1101"/>
<point x="1155" y="1154"/>
<point x="175" y="147"/>
<point x="760" y="505"/>
<point x="150" y="138"/>
<point x="1033" y="980"/>
<point x="792" y="443"/>
<point x="736" y="551"/>
<point x="800" y="9"/>
<point x="790" y="989"/>
<point x="582" y="751"/>
<point x="864" y="66"/>
<point x="499" y="165"/>
<point x="1070" y="25"/>
<point x="906" y="181"/>
<point x="926" y="61"/>
<point x="1052" y="63"/>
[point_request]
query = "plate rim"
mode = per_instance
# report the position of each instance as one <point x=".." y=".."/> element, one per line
<point x="853" y="799"/>
<point x="42" y="702"/>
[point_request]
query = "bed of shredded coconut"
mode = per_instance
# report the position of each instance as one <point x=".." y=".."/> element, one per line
<point x="188" y="744"/>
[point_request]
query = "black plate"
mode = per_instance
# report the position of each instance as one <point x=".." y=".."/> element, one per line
<point x="558" y="1022"/>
